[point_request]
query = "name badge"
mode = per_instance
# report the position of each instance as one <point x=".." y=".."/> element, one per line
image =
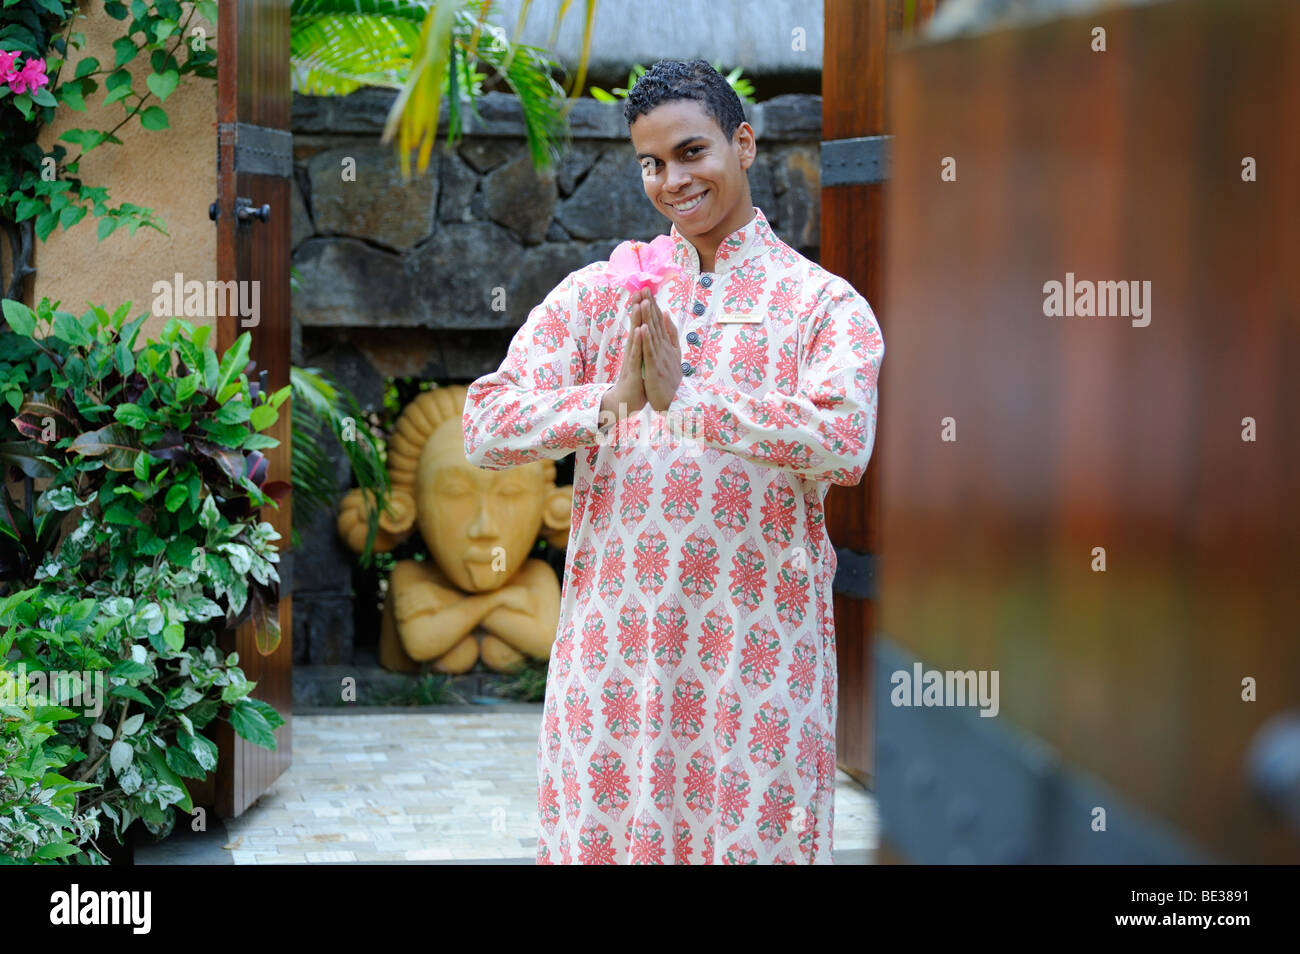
<point x="740" y="318"/>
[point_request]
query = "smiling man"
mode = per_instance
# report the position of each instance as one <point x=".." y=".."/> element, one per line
<point x="691" y="699"/>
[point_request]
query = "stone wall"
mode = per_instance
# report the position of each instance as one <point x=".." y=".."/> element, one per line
<point x="401" y="279"/>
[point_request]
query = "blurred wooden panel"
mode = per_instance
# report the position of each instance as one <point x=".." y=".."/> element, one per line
<point x="1075" y="433"/>
<point x="852" y="217"/>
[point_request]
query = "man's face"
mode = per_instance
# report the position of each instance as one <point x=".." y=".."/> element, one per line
<point x="684" y="155"/>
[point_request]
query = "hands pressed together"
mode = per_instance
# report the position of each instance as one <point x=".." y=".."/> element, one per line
<point x="652" y="344"/>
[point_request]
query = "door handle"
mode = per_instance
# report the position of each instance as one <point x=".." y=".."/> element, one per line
<point x="244" y="210"/>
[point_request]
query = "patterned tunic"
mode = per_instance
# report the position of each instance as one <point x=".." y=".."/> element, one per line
<point x="690" y="703"/>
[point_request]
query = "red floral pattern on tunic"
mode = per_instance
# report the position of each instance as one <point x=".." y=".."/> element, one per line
<point x="690" y="704"/>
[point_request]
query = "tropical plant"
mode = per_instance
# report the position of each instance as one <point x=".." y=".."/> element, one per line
<point x="155" y="476"/>
<point x="40" y="818"/>
<point x="320" y="406"/>
<point x="743" y="87"/>
<point x="427" y="49"/>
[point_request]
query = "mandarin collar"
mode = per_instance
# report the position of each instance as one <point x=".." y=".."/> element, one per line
<point x="744" y="243"/>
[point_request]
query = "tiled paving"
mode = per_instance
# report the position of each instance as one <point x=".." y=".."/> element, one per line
<point x="453" y="786"/>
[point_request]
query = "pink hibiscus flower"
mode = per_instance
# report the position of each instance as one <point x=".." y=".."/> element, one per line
<point x="636" y="265"/>
<point x="7" y="70"/>
<point x="30" y="77"/>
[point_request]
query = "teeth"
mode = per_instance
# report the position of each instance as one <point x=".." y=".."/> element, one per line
<point x="686" y="207"/>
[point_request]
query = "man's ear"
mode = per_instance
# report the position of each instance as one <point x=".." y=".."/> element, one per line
<point x="746" y="144"/>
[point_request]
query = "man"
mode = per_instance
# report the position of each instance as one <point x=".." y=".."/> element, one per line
<point x="691" y="697"/>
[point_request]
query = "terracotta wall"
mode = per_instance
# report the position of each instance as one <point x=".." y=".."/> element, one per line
<point x="173" y="171"/>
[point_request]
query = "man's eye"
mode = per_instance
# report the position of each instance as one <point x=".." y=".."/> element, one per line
<point x="692" y="149"/>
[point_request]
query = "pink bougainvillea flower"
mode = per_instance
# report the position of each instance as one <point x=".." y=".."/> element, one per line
<point x="7" y="70"/>
<point x="30" y="77"/>
<point x="637" y="265"/>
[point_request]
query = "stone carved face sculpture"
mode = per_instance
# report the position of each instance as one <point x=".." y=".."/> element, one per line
<point x="480" y="527"/>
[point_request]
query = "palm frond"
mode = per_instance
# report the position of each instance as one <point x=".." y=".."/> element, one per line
<point x="320" y="407"/>
<point x="333" y="55"/>
<point x="413" y="10"/>
<point x="527" y="71"/>
<point x="414" y="114"/>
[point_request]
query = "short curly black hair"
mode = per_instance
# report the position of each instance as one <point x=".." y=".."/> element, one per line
<point x="679" y="79"/>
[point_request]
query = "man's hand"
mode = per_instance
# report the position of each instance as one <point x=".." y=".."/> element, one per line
<point x="627" y="394"/>
<point x="663" y="356"/>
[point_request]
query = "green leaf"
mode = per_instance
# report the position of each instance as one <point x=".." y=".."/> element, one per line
<point x="106" y="226"/>
<point x="20" y="317"/>
<point x="120" y="756"/>
<point x="132" y="415"/>
<point x="176" y="496"/>
<point x="130" y="669"/>
<point x="68" y="328"/>
<point x="236" y="412"/>
<point x="55" y="851"/>
<point x="120" y="92"/>
<point x="130" y="692"/>
<point x="186" y="387"/>
<point x="262" y="417"/>
<point x="86" y="66"/>
<point x="141" y="466"/>
<point x="174" y="633"/>
<point x="45" y="224"/>
<point x="269" y="713"/>
<point x="154" y="118"/>
<point x="164" y="84"/>
<point x="112" y="442"/>
<point x="43" y="97"/>
<point x="203" y="750"/>
<point x="71" y="215"/>
<point x="183" y="763"/>
<point x="157" y="761"/>
<point x="233" y="362"/>
<point x="251" y="725"/>
<point x="70" y="93"/>
<point x="125" y="49"/>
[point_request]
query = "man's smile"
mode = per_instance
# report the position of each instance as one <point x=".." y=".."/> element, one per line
<point x="689" y="204"/>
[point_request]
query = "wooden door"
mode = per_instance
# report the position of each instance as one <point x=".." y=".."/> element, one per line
<point x="854" y="171"/>
<point x="1020" y="447"/>
<point x="254" y="167"/>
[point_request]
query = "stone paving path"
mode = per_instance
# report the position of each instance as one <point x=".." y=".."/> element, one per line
<point x="401" y="787"/>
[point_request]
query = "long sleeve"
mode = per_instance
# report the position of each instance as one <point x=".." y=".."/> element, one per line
<point x="826" y="430"/>
<point x="541" y="403"/>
